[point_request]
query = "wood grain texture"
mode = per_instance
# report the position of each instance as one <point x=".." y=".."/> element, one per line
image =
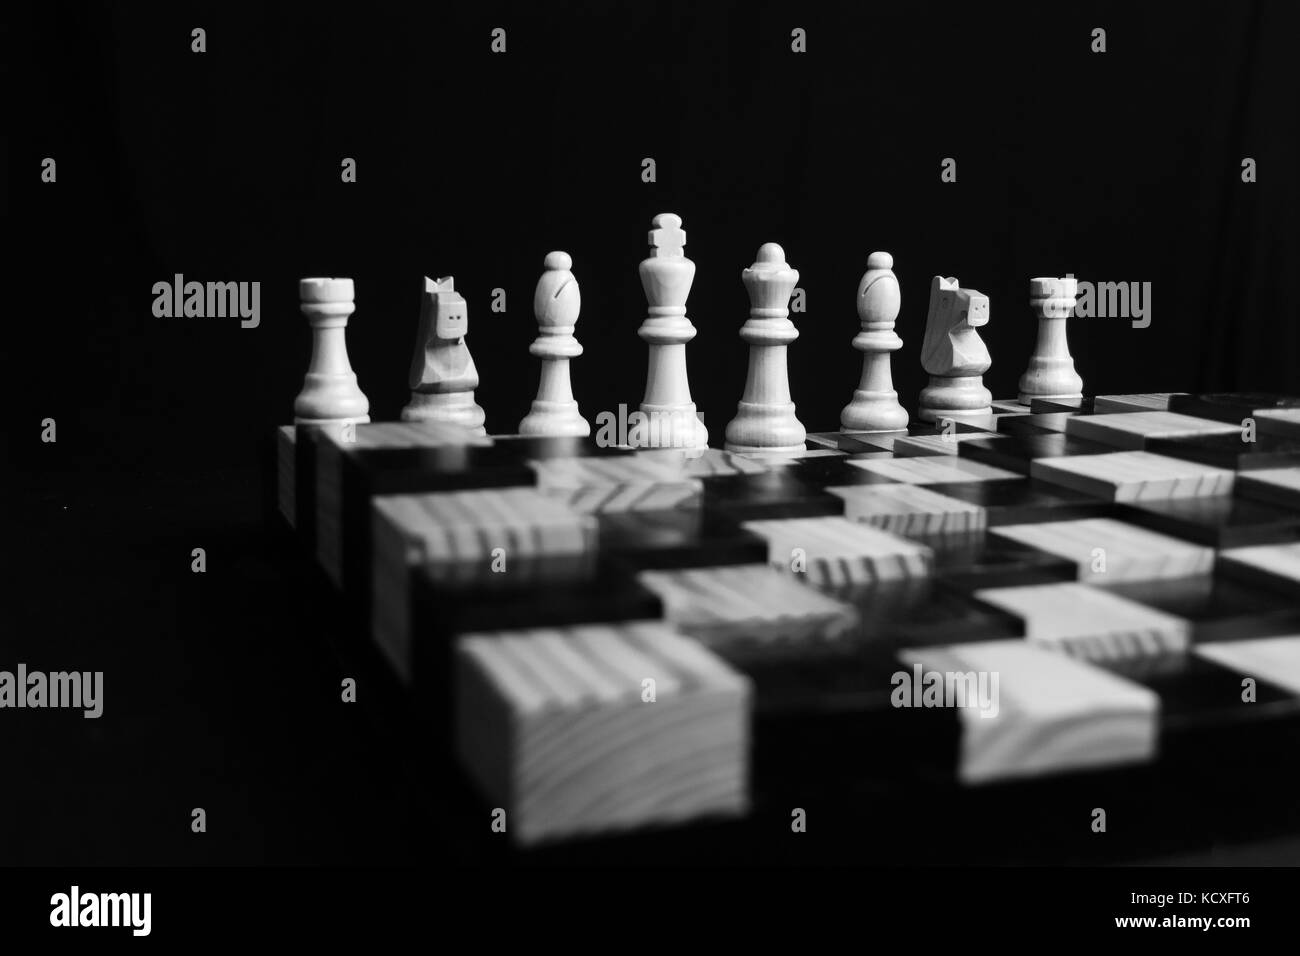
<point x="333" y="443"/>
<point x="1091" y="623"/>
<point x="909" y="509"/>
<point x="702" y="462"/>
<point x="749" y="607"/>
<point x="1140" y="402"/>
<point x="1284" y="422"/>
<point x="617" y="483"/>
<point x="555" y="727"/>
<point x="458" y="526"/>
<point x="1272" y="659"/>
<point x="470" y="525"/>
<point x="1276" y="565"/>
<point x="395" y="435"/>
<point x="1108" y="551"/>
<point x="838" y="552"/>
<point x="1279" y="486"/>
<point x="932" y="470"/>
<point x="1054" y="713"/>
<point x="1130" y="430"/>
<point x="912" y="446"/>
<point x="1129" y="476"/>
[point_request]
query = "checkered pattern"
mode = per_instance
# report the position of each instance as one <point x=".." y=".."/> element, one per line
<point x="910" y="509"/>
<point x="1116" y="570"/>
<point x="1134" y="476"/>
<point x="631" y="483"/>
<point x="1150" y="401"/>
<point x="932" y="471"/>
<point x="1278" y="485"/>
<point x="1283" y="421"/>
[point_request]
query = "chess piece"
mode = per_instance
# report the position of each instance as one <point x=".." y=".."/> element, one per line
<point x="1051" y="373"/>
<point x="556" y="303"/>
<point x="443" y="376"/>
<point x="330" y="395"/>
<point x="668" y="418"/>
<point x="954" y="354"/>
<point x="875" y="407"/>
<point x="765" y="421"/>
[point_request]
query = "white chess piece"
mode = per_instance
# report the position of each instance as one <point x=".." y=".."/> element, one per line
<point x="1051" y="373"/>
<point x="955" y="355"/>
<point x="765" y="421"/>
<point x="330" y="394"/>
<point x="443" y="376"/>
<point x="667" y="414"/>
<point x="875" y="407"/>
<point x="556" y="304"/>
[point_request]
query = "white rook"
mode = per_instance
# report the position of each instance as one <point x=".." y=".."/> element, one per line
<point x="765" y="419"/>
<point x="330" y="394"/>
<point x="1051" y="373"/>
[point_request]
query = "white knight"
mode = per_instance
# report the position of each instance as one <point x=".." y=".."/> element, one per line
<point x="443" y="376"/>
<point x="954" y="354"/>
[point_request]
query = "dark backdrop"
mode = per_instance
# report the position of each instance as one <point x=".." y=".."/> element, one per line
<point x="1122" y="166"/>
<point x="224" y="166"/>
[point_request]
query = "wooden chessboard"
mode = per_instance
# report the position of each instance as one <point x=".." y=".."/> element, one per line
<point x="613" y="640"/>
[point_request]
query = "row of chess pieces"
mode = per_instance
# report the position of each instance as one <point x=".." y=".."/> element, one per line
<point x="443" y="376"/>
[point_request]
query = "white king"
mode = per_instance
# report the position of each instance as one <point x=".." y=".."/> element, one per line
<point x="666" y="277"/>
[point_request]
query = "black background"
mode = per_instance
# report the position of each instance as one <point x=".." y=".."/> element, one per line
<point x="225" y="166"/>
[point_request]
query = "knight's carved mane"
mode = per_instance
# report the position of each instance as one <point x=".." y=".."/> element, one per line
<point x="951" y="345"/>
<point x="940" y="320"/>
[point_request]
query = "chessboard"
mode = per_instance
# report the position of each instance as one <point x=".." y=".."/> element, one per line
<point x="1065" y="605"/>
<point x="1050" y="608"/>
